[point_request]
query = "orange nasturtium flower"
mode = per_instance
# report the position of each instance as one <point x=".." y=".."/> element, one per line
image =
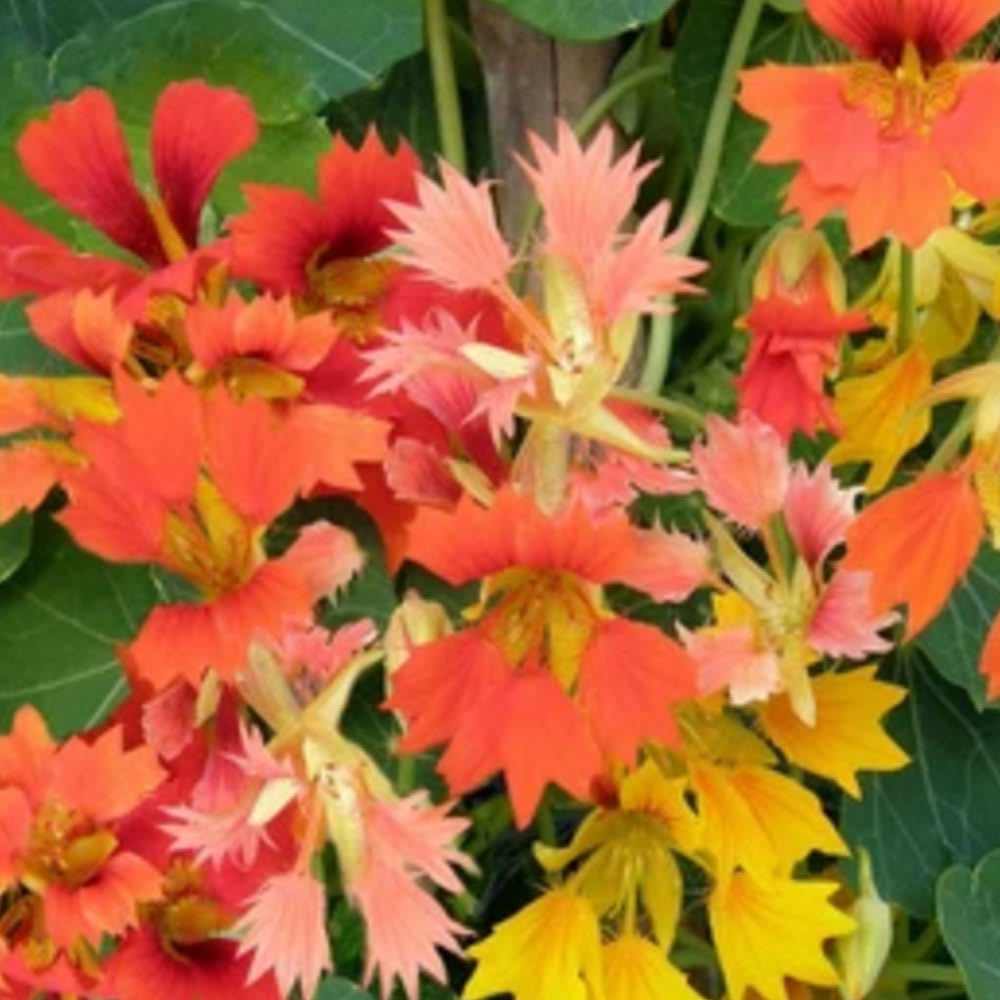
<point x="891" y="135"/>
<point x="192" y="483"/>
<point x="547" y="683"/>
<point x="62" y="846"/>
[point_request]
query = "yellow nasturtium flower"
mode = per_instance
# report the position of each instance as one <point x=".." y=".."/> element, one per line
<point x="848" y="736"/>
<point x="768" y="930"/>
<point x="880" y="422"/>
<point x="550" y="950"/>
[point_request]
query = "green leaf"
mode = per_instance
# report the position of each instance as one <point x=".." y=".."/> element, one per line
<point x="335" y="988"/>
<point x="15" y="544"/>
<point x="969" y="914"/>
<point x="401" y="105"/>
<point x="21" y="352"/>
<point x="61" y="616"/>
<point x="945" y="807"/>
<point x="288" y="56"/>
<point x="954" y="640"/>
<point x="586" y="20"/>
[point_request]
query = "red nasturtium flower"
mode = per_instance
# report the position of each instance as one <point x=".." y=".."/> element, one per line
<point x="323" y="252"/>
<point x="547" y="684"/>
<point x="61" y="808"/>
<point x="192" y="483"/>
<point x="78" y="155"/>
<point x="890" y="136"/>
<point x="795" y="323"/>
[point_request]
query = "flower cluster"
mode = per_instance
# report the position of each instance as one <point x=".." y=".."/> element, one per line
<point x="668" y="706"/>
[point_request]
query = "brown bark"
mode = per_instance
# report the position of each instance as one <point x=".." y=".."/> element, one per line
<point x="530" y="79"/>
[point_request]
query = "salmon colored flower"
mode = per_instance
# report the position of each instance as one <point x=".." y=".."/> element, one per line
<point x="565" y="353"/>
<point x="406" y="841"/>
<point x="818" y="512"/>
<point x="284" y="929"/>
<point x="771" y="627"/>
<point x="890" y="136"/>
<point x="192" y="484"/>
<point x="546" y="682"/>
<point x="78" y="155"/>
<point x="743" y="469"/>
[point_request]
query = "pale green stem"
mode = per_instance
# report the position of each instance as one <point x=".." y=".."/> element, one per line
<point x="604" y="103"/>
<point x="671" y="407"/>
<point x="406" y="773"/>
<point x="446" y="101"/>
<point x="546" y="824"/>
<point x="924" y="972"/>
<point x="661" y="331"/>
<point x="906" y="325"/>
<point x="950" y="447"/>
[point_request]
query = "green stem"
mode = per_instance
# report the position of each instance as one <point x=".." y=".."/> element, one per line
<point x="592" y="116"/>
<point x="671" y="407"/>
<point x="907" y="323"/>
<point x="924" y="972"/>
<point x="661" y="338"/>
<point x="546" y="824"/>
<point x="406" y="773"/>
<point x="604" y="103"/>
<point x="446" y="102"/>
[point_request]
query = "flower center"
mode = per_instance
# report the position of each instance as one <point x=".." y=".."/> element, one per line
<point x="541" y="618"/>
<point x="905" y="101"/>
<point x="210" y="544"/>
<point x="185" y="918"/>
<point x="352" y="287"/>
<point x="65" y="848"/>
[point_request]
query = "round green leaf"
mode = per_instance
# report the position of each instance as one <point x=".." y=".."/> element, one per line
<point x="61" y="616"/>
<point x="945" y="807"/>
<point x="968" y="903"/>
<point x="586" y="20"/>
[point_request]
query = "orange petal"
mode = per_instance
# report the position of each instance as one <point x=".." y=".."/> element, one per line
<point x="630" y="676"/>
<point x="989" y="660"/>
<point x="918" y="542"/>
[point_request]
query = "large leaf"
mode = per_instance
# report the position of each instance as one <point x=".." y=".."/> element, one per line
<point x="61" y="616"/>
<point x="335" y="988"/>
<point x="289" y="56"/>
<point x="954" y="640"/>
<point x="945" y="807"/>
<point x="586" y="20"/>
<point x="969" y="915"/>
<point x="15" y="544"/>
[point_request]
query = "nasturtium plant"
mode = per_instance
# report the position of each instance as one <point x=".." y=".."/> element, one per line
<point x="581" y="586"/>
